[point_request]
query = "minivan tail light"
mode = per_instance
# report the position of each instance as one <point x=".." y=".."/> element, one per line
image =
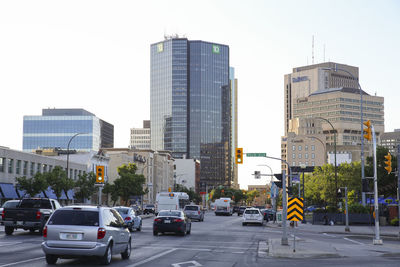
<point x="101" y="233"/>
<point x="199" y="212"/>
<point x="45" y="231"/>
<point x="38" y="214"/>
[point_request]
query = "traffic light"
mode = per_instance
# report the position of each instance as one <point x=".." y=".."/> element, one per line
<point x="257" y="174"/>
<point x="100" y="174"/>
<point x="239" y="155"/>
<point x="279" y="177"/>
<point x="388" y="163"/>
<point x="365" y="185"/>
<point x="368" y="131"/>
<point x="339" y="193"/>
<point x="289" y="190"/>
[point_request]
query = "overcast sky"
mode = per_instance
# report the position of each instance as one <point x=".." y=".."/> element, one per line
<point x="96" y="55"/>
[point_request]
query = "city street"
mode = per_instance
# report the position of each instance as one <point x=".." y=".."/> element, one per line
<point x="218" y="241"/>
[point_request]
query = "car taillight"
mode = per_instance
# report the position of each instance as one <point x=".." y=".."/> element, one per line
<point x="3" y="214"/>
<point x="199" y="212"/>
<point x="178" y="220"/>
<point x="127" y="218"/>
<point x="101" y="233"/>
<point x="45" y="231"/>
<point x="157" y="220"/>
<point x="38" y="214"/>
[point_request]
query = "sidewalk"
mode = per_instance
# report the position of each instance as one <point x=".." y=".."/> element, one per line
<point x="388" y="231"/>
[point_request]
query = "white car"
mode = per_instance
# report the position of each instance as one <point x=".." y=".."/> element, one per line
<point x="252" y="215"/>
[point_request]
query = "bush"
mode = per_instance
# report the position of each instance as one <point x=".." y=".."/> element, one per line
<point x="358" y="208"/>
<point x="394" y="222"/>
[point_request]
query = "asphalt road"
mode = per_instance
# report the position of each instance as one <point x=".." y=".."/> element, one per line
<point x="218" y="241"/>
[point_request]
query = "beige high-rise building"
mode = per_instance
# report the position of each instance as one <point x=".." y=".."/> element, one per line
<point x="314" y="93"/>
<point x="140" y="137"/>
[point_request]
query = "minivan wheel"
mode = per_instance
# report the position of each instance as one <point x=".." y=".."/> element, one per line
<point x="127" y="253"/>
<point x="106" y="259"/>
<point x="9" y="230"/>
<point x="51" y="259"/>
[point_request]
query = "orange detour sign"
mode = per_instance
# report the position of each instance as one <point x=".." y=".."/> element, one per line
<point x="295" y="209"/>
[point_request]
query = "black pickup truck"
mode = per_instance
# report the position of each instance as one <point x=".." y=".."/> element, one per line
<point x="30" y="214"/>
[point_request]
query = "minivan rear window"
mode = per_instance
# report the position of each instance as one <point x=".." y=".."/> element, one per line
<point x="252" y="212"/>
<point x="75" y="217"/>
<point x="191" y="208"/>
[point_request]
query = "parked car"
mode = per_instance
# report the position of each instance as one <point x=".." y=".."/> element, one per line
<point x="133" y="221"/>
<point x="241" y="210"/>
<point x="268" y="214"/>
<point x="235" y="209"/>
<point x="77" y="231"/>
<point x="194" y="212"/>
<point x="312" y="208"/>
<point x="252" y="215"/>
<point x="137" y="209"/>
<point x="7" y="204"/>
<point x="149" y="208"/>
<point x="31" y="214"/>
<point x="172" y="221"/>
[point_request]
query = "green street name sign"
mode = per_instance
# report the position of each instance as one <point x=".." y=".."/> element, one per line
<point x="256" y="154"/>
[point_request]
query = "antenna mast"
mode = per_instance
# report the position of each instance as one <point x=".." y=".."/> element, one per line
<point x="313" y="49"/>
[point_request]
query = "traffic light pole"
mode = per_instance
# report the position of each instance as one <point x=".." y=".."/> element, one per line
<point x="377" y="240"/>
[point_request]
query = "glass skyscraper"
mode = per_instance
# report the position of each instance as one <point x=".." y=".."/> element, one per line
<point x="55" y="127"/>
<point x="191" y="105"/>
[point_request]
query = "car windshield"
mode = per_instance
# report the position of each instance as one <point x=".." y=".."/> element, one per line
<point x="252" y="212"/>
<point x="10" y="204"/>
<point x="170" y="213"/>
<point x="149" y="206"/>
<point x="122" y="210"/>
<point x="191" y="208"/>
<point x="75" y="217"/>
<point x="35" y="203"/>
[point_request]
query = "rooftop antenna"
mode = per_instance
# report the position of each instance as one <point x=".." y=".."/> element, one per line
<point x="324" y="52"/>
<point x="313" y="49"/>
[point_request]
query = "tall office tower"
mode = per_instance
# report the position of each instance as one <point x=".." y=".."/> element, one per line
<point x="234" y="124"/>
<point x="56" y="127"/>
<point x="190" y="109"/>
<point x="140" y="137"/>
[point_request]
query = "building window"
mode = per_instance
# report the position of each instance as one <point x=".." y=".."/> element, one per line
<point x="18" y="167"/>
<point x="312" y="147"/>
<point x="32" y="172"/>
<point x="75" y="174"/>
<point x="44" y="167"/>
<point x="25" y="171"/>
<point x="2" y="162"/>
<point x="38" y="167"/>
<point x="313" y="156"/>
<point x="293" y="156"/>
<point x="299" y="163"/>
<point x="306" y="163"/>
<point x="299" y="148"/>
<point x="306" y="148"/>
<point x="306" y="156"/>
<point x="294" y="148"/>
<point x="50" y="168"/>
<point x="313" y="163"/>
<point x="10" y="165"/>
<point x="299" y="156"/>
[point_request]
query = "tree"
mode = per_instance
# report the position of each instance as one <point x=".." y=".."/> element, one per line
<point x="34" y="185"/>
<point x="85" y="186"/>
<point x="111" y="189"/>
<point x="58" y="181"/>
<point x="193" y="196"/>
<point x="251" y="195"/>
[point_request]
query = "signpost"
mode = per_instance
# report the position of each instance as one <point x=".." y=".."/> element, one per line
<point x="295" y="214"/>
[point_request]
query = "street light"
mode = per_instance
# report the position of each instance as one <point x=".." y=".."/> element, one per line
<point x="361" y="122"/>
<point x="69" y="142"/>
<point x="334" y="138"/>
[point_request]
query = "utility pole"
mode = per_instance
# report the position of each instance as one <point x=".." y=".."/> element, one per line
<point x="377" y="240"/>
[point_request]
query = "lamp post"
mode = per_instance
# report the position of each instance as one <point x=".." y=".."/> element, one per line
<point x="334" y="139"/>
<point x="361" y="122"/>
<point x="69" y="142"/>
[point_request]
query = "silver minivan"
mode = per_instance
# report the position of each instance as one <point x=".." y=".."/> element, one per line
<point x="76" y="231"/>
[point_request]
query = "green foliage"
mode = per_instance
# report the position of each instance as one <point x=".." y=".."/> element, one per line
<point x="85" y="186"/>
<point x="58" y="181"/>
<point x="236" y="195"/>
<point x="332" y="209"/>
<point x="387" y="183"/>
<point x="128" y="184"/>
<point x="358" y="208"/>
<point x="32" y="186"/>
<point x="394" y="222"/>
<point x="251" y="195"/>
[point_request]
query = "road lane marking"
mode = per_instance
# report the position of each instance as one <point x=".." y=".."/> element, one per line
<point x="348" y="239"/>
<point x="195" y="264"/>
<point x="328" y="235"/>
<point x="151" y="258"/>
<point x="2" y="244"/>
<point x="19" y="262"/>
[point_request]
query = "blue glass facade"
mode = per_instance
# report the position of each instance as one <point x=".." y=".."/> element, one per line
<point x="56" y="131"/>
<point x="191" y="105"/>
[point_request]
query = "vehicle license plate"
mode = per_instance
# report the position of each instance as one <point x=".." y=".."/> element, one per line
<point x="70" y="236"/>
<point x="167" y="221"/>
<point x="20" y="223"/>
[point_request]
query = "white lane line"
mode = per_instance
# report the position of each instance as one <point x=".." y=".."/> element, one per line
<point x="19" y="262"/>
<point x="348" y="239"/>
<point x="328" y="235"/>
<point x="151" y="258"/>
<point x="2" y="244"/>
<point x="197" y="247"/>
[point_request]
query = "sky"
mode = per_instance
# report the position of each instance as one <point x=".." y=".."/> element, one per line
<point x="95" y="55"/>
